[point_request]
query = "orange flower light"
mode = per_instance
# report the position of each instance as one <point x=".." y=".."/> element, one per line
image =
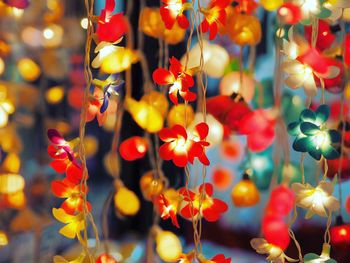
<point x="74" y="199"/>
<point x="133" y="148"/>
<point x="245" y="30"/>
<point x="151" y="187"/>
<point x="214" y="14"/>
<point x="211" y="208"/>
<point x="245" y="193"/>
<point x="181" y="149"/>
<point x="167" y="205"/>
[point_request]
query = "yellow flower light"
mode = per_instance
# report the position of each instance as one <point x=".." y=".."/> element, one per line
<point x="28" y="69"/>
<point x="275" y="254"/>
<point x="3" y="239"/>
<point x="271" y="5"/>
<point x="245" y="193"/>
<point x="126" y="202"/>
<point x="179" y="114"/>
<point x="168" y="247"/>
<point x="6" y="106"/>
<point x="12" y="163"/>
<point x="118" y="61"/>
<point x="145" y="115"/>
<point x="103" y="50"/>
<point x="317" y="200"/>
<point x="150" y="186"/>
<point x="158" y="100"/>
<point x="11" y="183"/>
<point x="54" y="95"/>
<point x="74" y="223"/>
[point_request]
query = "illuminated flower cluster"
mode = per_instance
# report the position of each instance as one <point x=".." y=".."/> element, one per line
<point x="179" y="79"/>
<point x="312" y="135"/>
<point x="70" y="187"/>
<point x="275" y="254"/>
<point x="181" y="149"/>
<point x="202" y="203"/>
<point x="317" y="200"/>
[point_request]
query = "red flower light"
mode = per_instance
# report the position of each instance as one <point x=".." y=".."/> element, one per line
<point x="325" y="37"/>
<point x="62" y="152"/>
<point x="133" y="148"/>
<point x="276" y="231"/>
<point x="211" y="208"/>
<point x="105" y="258"/>
<point x="110" y="27"/>
<point x="259" y="126"/>
<point x="245" y="6"/>
<point x="289" y="13"/>
<point x="214" y="14"/>
<point x="166" y="209"/>
<point x="220" y="258"/>
<point x="172" y="11"/>
<point x="74" y="199"/>
<point x="340" y="233"/>
<point x="281" y="201"/>
<point x="228" y="111"/>
<point x="347" y="50"/>
<point x="181" y="149"/>
<point x="179" y="80"/>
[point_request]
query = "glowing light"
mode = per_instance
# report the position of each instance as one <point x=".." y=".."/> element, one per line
<point x="11" y="183"/>
<point x="54" y="95"/>
<point x="2" y="66"/>
<point x="48" y="33"/>
<point x="84" y="22"/>
<point x="3" y="239"/>
<point x="169" y="247"/>
<point x="28" y="69"/>
<point x="126" y="202"/>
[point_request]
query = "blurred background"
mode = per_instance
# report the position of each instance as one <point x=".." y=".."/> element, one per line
<point x="41" y="77"/>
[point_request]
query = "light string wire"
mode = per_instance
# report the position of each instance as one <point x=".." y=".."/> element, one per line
<point x="87" y="216"/>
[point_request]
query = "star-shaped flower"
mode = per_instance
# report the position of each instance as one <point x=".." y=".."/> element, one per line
<point x="179" y="79"/>
<point x="172" y="11"/>
<point x="312" y="135"/>
<point x="182" y="149"/>
<point x="215" y="13"/>
<point x="211" y="208"/>
<point x="317" y="200"/>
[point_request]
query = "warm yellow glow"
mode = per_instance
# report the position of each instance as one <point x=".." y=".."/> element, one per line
<point x="169" y="247"/>
<point x="145" y="115"/>
<point x="12" y="163"/>
<point x="52" y="35"/>
<point x="91" y="145"/>
<point x="271" y="5"/>
<point x="48" y="33"/>
<point x="179" y="113"/>
<point x="28" y="69"/>
<point x="150" y="186"/>
<point x="54" y="95"/>
<point x="16" y="200"/>
<point x="3" y="239"/>
<point x="16" y="12"/>
<point x="245" y="194"/>
<point x="118" y="61"/>
<point x="11" y="183"/>
<point x="320" y="139"/>
<point x="126" y="202"/>
<point x="32" y="36"/>
<point x="84" y="23"/>
<point x="158" y="100"/>
<point x="2" y="66"/>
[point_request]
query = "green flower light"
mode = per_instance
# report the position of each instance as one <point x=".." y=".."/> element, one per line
<point x="312" y="135"/>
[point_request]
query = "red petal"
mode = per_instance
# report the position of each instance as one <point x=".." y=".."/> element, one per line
<point x="173" y="97"/>
<point x="187" y="212"/>
<point x="187" y="194"/>
<point x="112" y="30"/>
<point x="166" y="151"/>
<point x="201" y="130"/>
<point x="168" y="17"/>
<point x="59" y="166"/>
<point x="175" y="66"/>
<point x="162" y="76"/>
<point x="187" y="80"/>
<point x="213" y="31"/>
<point x="167" y="134"/>
<point x="188" y="96"/>
<point x="74" y="173"/>
<point x="180" y="130"/>
<point x="110" y="5"/>
<point x="204" y="159"/>
<point x="59" y="189"/>
<point x="183" y="21"/>
<point x="208" y="188"/>
<point x="204" y="26"/>
<point x="180" y="159"/>
<point x="220" y="205"/>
